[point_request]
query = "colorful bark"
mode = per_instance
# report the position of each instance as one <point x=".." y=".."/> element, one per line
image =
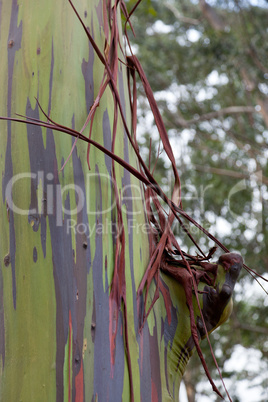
<point x="69" y="318"/>
<point x="58" y="278"/>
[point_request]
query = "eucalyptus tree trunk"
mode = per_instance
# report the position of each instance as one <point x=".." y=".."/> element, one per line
<point x="57" y="228"/>
<point x="66" y="331"/>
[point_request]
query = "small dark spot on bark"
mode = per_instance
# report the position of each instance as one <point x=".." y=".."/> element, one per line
<point x="38" y="51"/>
<point x="34" y="254"/>
<point x="7" y="260"/>
<point x="85" y="245"/>
<point x="11" y="43"/>
<point x="34" y="221"/>
<point x="77" y="295"/>
<point x="32" y="73"/>
<point x="85" y="14"/>
<point x="44" y="205"/>
<point x="93" y="333"/>
<point x="77" y="359"/>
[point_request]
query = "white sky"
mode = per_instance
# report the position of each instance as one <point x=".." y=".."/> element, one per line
<point x="246" y="390"/>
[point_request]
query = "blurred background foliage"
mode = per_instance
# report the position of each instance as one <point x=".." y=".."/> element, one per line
<point x="207" y="65"/>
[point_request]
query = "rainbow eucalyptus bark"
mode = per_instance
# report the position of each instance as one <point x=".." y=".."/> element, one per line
<point x="70" y="327"/>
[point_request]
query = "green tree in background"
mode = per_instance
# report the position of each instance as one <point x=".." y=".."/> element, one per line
<point x="207" y="64"/>
<point x="97" y="300"/>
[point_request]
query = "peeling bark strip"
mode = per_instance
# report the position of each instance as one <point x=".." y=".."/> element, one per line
<point x="78" y="313"/>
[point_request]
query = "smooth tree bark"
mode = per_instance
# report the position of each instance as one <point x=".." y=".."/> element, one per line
<point x="76" y="242"/>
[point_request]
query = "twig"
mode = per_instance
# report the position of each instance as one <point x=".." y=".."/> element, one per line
<point x="180" y="17"/>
